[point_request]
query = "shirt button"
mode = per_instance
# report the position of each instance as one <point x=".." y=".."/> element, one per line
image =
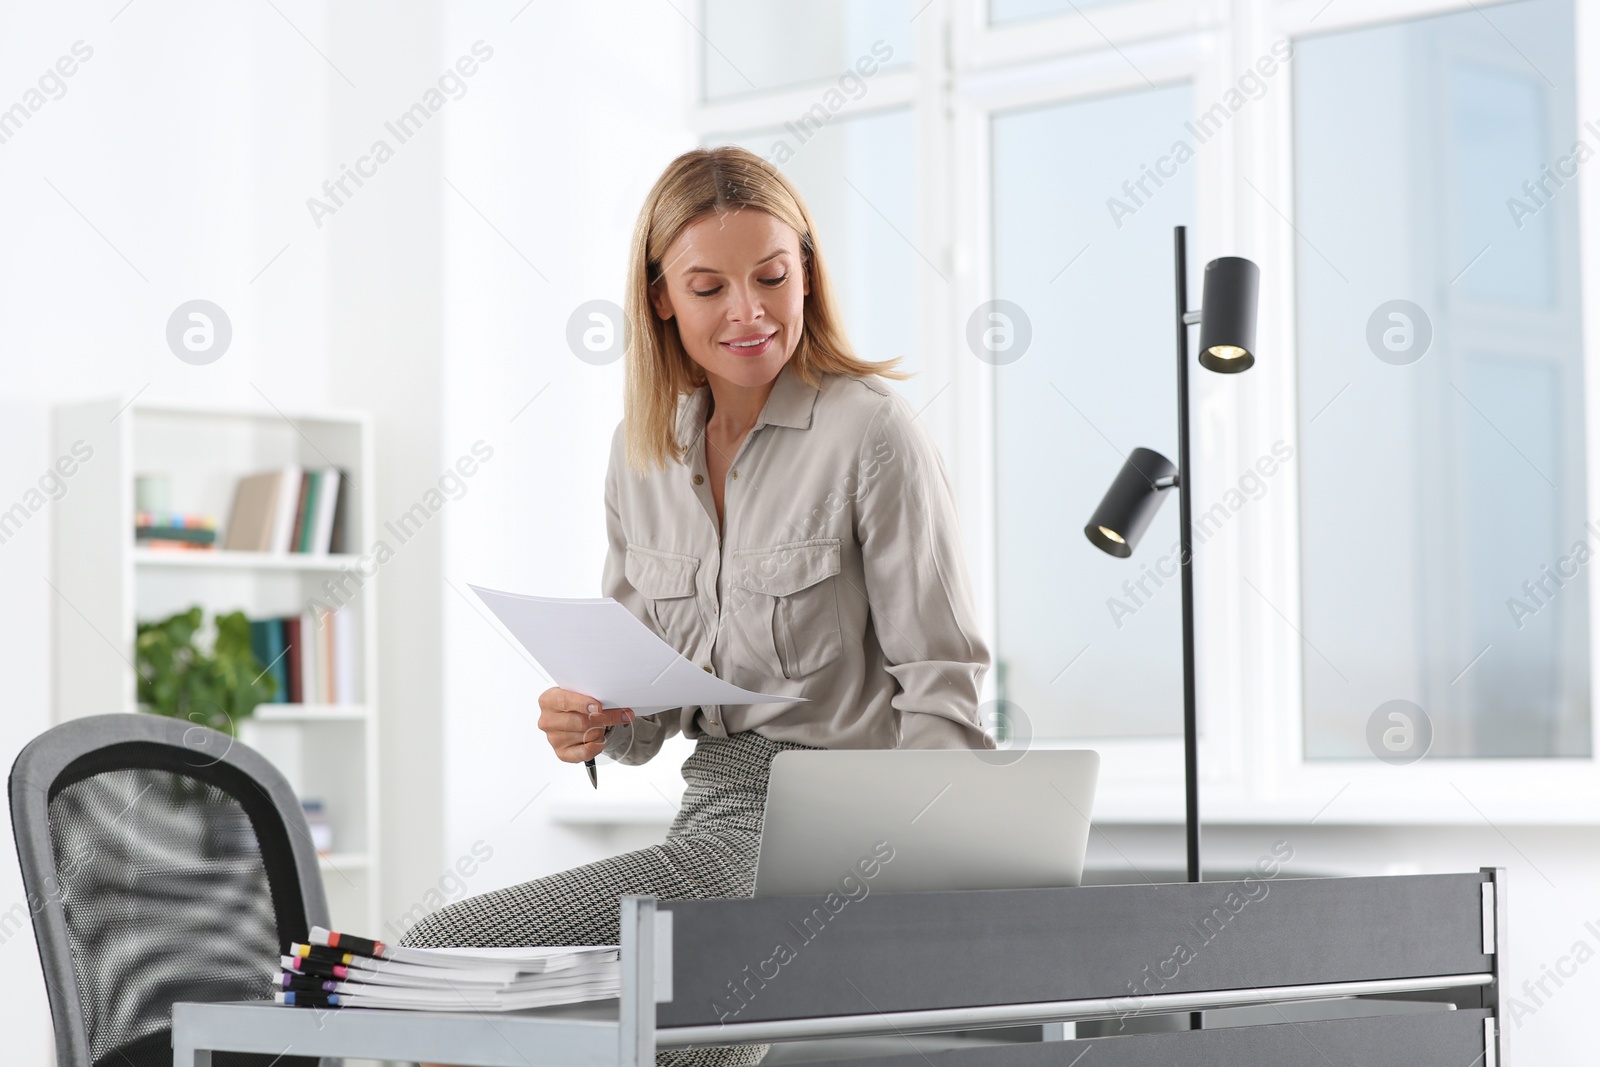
<point x="706" y="667"/>
<point x="698" y="479"/>
<point x="736" y="474"/>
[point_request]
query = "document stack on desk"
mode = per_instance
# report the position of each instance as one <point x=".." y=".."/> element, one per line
<point x="340" y="971"/>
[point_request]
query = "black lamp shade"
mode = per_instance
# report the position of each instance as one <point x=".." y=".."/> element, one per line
<point x="1228" y="315"/>
<point x="1131" y="502"/>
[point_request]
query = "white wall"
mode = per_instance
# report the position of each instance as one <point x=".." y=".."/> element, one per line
<point x="384" y="247"/>
<point x="576" y="115"/>
<point x="24" y="643"/>
<point x="173" y="166"/>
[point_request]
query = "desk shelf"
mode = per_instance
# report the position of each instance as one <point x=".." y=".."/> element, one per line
<point x="698" y="973"/>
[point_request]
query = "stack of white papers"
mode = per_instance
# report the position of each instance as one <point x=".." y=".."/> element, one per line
<point x="448" y="979"/>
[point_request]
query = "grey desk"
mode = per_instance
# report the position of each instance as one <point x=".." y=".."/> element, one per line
<point x="713" y="972"/>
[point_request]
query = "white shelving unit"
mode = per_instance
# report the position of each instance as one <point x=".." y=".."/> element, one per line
<point x="105" y="585"/>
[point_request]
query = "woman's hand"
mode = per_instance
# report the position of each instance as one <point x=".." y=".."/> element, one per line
<point x="575" y="732"/>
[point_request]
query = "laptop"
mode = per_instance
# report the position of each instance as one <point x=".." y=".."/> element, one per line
<point x="925" y="819"/>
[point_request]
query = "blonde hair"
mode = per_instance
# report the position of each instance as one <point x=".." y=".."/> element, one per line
<point x="658" y="371"/>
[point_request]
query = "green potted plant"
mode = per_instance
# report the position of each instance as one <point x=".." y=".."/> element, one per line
<point x="210" y="678"/>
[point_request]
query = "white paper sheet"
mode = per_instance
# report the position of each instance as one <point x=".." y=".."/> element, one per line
<point x="597" y="647"/>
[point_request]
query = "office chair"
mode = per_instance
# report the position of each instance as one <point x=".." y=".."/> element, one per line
<point x="163" y="861"/>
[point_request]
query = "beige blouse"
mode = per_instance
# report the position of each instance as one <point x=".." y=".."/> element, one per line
<point x="839" y="576"/>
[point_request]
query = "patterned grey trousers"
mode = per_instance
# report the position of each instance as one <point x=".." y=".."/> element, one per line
<point x="710" y="851"/>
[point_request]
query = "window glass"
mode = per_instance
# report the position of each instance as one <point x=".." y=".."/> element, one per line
<point x="1444" y="540"/>
<point x="752" y="46"/>
<point x="1086" y="195"/>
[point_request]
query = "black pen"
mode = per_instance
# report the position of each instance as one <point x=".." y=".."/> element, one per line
<point x="588" y="765"/>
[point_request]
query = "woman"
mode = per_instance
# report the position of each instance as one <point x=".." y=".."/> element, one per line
<point x="783" y="520"/>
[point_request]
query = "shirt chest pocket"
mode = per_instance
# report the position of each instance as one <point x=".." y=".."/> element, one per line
<point x="786" y="604"/>
<point x="666" y="582"/>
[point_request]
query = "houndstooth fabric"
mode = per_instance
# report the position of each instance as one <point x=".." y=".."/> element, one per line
<point x="710" y="851"/>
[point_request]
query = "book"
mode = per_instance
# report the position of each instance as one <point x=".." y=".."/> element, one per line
<point x="328" y="660"/>
<point x="311" y="656"/>
<point x="261" y="648"/>
<point x="289" y="491"/>
<point x="293" y="639"/>
<point x="329" y="494"/>
<point x="266" y="641"/>
<point x="308" y="518"/>
<point x="183" y="534"/>
<point x="175" y="519"/>
<point x="169" y="526"/>
<point x="338" y="540"/>
<point x="251" y="523"/>
<point x="346" y="654"/>
<point x="343" y="971"/>
<point x="298" y="527"/>
<point x="280" y="661"/>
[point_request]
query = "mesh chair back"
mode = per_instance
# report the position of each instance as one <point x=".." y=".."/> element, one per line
<point x="163" y="862"/>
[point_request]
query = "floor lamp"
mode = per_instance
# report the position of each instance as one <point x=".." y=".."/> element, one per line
<point x="1227" y="319"/>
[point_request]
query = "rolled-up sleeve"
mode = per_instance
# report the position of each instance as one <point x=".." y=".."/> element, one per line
<point x="635" y="742"/>
<point x="920" y="600"/>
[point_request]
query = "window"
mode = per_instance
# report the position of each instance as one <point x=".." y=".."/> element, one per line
<point x="1441" y="383"/>
<point x="1087" y="644"/>
<point x="1407" y="177"/>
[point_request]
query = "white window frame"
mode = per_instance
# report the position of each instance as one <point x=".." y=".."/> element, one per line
<point x="1249" y="658"/>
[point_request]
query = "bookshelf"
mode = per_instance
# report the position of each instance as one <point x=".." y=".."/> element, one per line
<point x="104" y="585"/>
<point x="222" y="559"/>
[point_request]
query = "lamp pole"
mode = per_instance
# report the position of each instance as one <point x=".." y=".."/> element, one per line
<point x="1191" y="740"/>
<point x="1227" y="319"/>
